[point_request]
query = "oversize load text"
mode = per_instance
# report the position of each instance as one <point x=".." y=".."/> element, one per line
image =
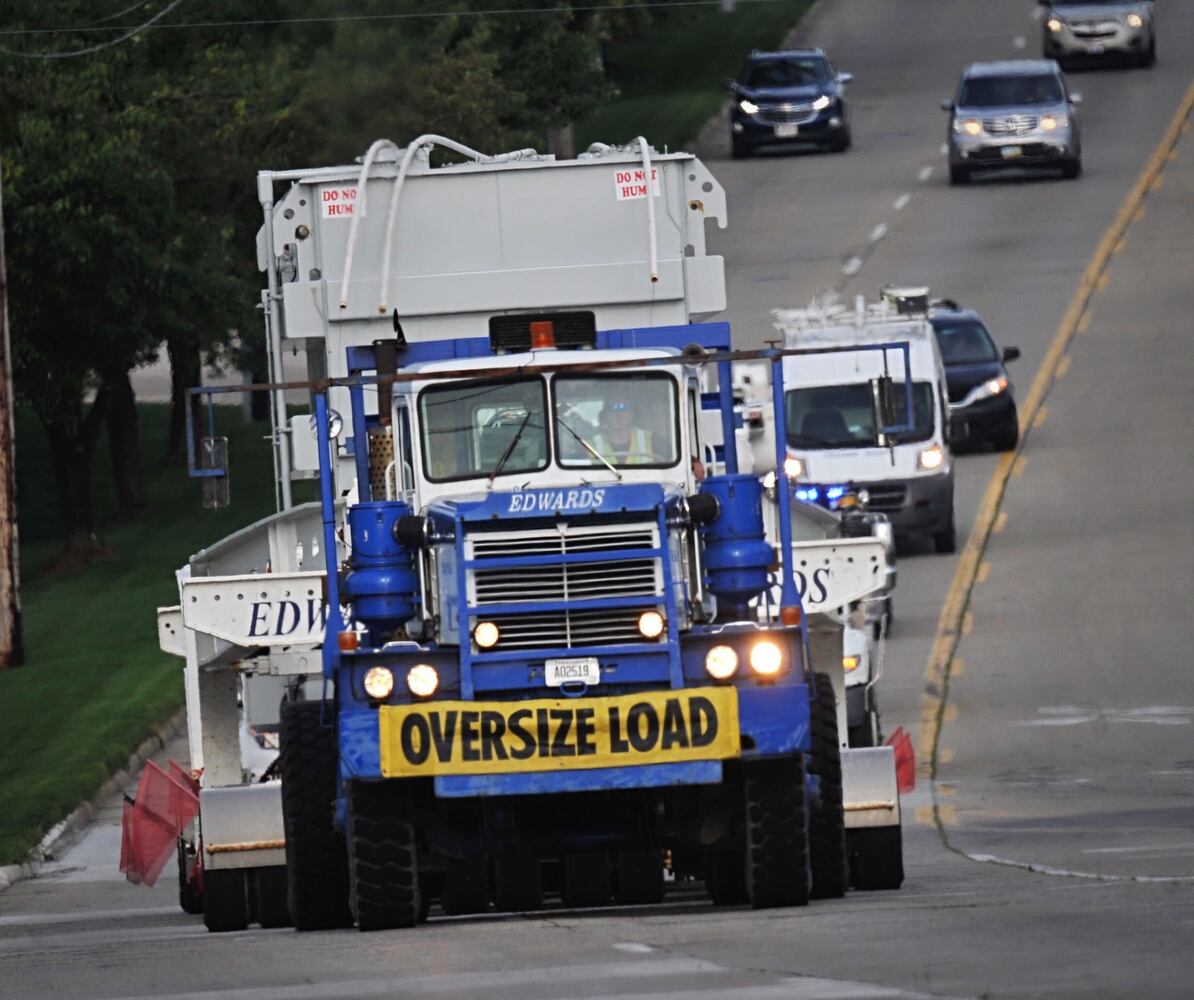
<point x="468" y="737"/>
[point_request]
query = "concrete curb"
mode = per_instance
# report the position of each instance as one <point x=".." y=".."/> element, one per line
<point x="64" y="834"/>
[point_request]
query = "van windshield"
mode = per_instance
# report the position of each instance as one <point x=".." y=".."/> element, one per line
<point x="841" y="416"/>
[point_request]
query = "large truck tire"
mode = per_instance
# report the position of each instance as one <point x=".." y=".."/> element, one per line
<point x="225" y="900"/>
<point x="517" y="881"/>
<point x="876" y="858"/>
<point x="586" y="881"/>
<point x="640" y="877"/>
<point x="316" y="855"/>
<point x="382" y="858"/>
<point x="777" y="834"/>
<point x="269" y="892"/>
<point x="827" y="818"/>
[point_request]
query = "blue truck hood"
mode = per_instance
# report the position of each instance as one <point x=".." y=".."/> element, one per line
<point x="556" y="501"/>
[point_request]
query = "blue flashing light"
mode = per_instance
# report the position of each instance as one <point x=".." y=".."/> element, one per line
<point x="835" y="492"/>
<point x="808" y="494"/>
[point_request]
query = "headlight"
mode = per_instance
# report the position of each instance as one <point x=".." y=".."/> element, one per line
<point x="822" y="102"/>
<point x="931" y="458"/>
<point x="850" y="663"/>
<point x="991" y="387"/>
<point x="422" y="679"/>
<point x="651" y="624"/>
<point x="1135" y="21"/>
<point x="971" y="126"/>
<point x="379" y="683"/>
<point x="749" y="107"/>
<point x="766" y="658"/>
<point x="1051" y="122"/>
<point x="793" y="467"/>
<point x="721" y="662"/>
<point x="1054" y="24"/>
<point x="486" y="635"/>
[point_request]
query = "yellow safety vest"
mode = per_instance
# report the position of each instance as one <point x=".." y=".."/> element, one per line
<point x="638" y="452"/>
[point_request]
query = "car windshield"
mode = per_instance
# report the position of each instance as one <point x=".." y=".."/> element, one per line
<point x="1092" y="3"/>
<point x="790" y="72"/>
<point x="629" y="420"/>
<point x="999" y="91"/>
<point x="841" y="416"/>
<point x="469" y="430"/>
<point x="964" y="342"/>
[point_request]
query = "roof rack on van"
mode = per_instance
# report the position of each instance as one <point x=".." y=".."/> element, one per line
<point x="947" y="304"/>
<point x="908" y="301"/>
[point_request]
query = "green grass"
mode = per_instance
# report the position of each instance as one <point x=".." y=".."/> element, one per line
<point x="95" y="683"/>
<point x="672" y="76"/>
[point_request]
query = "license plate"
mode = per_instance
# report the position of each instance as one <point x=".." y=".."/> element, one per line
<point x="1012" y="152"/>
<point x="554" y="734"/>
<point x="1095" y="48"/>
<point x="787" y="131"/>
<point x="585" y="669"/>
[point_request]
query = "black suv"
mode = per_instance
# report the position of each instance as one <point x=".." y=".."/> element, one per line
<point x="787" y="98"/>
<point x="981" y="404"/>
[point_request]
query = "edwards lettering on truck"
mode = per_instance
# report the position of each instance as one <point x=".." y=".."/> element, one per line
<point x="463" y="737"/>
<point x="555" y="500"/>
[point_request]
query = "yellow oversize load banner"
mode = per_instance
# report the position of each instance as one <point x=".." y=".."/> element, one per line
<point x="479" y="737"/>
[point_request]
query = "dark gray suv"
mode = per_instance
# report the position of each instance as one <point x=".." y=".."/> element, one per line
<point x="1018" y="113"/>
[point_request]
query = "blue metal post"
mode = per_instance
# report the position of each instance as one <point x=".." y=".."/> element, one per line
<point x="360" y="442"/>
<point x="327" y="505"/>
<point x="789" y="596"/>
<point x="725" y="391"/>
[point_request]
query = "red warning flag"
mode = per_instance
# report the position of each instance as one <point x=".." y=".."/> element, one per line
<point x="152" y="822"/>
<point x="905" y="759"/>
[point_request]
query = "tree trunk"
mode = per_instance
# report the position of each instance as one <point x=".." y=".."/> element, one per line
<point x="124" y="445"/>
<point x="185" y="373"/>
<point x="72" y="439"/>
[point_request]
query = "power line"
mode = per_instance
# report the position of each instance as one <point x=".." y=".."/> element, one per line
<point x="409" y="15"/>
<point x="95" y="48"/>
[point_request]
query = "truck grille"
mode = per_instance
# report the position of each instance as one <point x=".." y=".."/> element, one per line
<point x="602" y="578"/>
<point x="1091" y="30"/>
<point x="1010" y="125"/>
<point x="786" y="114"/>
<point x="886" y="499"/>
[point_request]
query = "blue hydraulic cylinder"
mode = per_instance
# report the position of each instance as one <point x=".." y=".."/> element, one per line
<point x="725" y="390"/>
<point x="382" y="582"/>
<point x="327" y="506"/>
<point x="789" y="595"/>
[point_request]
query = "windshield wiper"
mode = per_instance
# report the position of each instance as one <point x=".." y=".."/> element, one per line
<point x="589" y="448"/>
<point x="509" y="449"/>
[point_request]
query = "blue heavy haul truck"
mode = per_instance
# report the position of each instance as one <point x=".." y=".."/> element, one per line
<point x="562" y="641"/>
<point x="558" y="657"/>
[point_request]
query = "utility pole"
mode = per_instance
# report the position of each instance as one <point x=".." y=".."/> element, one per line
<point x="12" y="643"/>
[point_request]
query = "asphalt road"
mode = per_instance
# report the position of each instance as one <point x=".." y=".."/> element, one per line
<point x="1053" y="855"/>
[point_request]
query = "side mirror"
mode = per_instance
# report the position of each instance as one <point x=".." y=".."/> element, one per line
<point x="1075" y="99"/>
<point x="731" y="86"/>
<point x="845" y="78"/>
<point x="947" y="105"/>
<point x="1010" y="354"/>
<point x="213" y="461"/>
<point x="883" y="408"/>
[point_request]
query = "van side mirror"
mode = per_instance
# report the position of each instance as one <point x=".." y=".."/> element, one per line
<point x="1075" y="99"/>
<point x="883" y="408"/>
<point x="213" y="461"/>
<point x="947" y="105"/>
<point x="845" y="78"/>
<point x="731" y="86"/>
<point x="1010" y="354"/>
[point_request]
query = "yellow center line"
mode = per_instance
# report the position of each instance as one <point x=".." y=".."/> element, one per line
<point x="930" y="754"/>
<point x="1084" y="322"/>
<point x="1063" y="366"/>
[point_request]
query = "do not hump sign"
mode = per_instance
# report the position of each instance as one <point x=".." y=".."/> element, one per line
<point x="631" y="183"/>
<point x="338" y="202"/>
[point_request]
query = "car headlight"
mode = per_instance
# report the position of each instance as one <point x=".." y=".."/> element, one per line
<point x="793" y="467"/>
<point x="971" y="126"/>
<point x="766" y="658"/>
<point x="422" y="679"/>
<point x="1050" y="123"/>
<point x="486" y="635"/>
<point x="1135" y="21"/>
<point x="1054" y="24"/>
<point x="822" y="102"/>
<point x="749" y="107"/>
<point x="379" y="683"/>
<point x="721" y="662"/>
<point x="991" y="387"/>
<point x="931" y="458"/>
<point x="850" y="663"/>
<point x="651" y="624"/>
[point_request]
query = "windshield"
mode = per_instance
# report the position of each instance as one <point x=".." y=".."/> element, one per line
<point x="629" y="420"/>
<point x="778" y="73"/>
<point x="964" y="342"/>
<point x="994" y="91"/>
<point x="841" y="416"/>
<point x="467" y="429"/>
